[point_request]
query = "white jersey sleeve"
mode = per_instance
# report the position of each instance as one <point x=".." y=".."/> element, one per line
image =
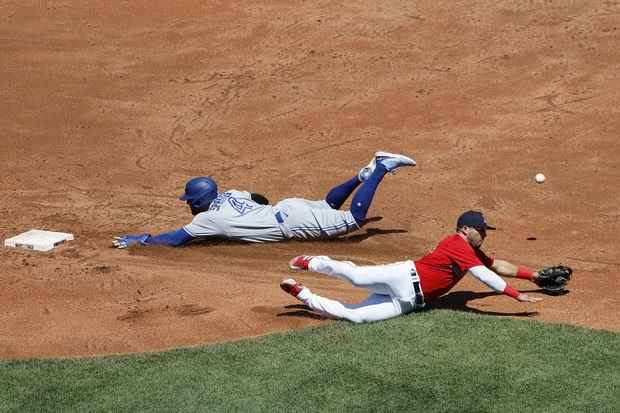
<point x="488" y="277"/>
<point x="204" y="224"/>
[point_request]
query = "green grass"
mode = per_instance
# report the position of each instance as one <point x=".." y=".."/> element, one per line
<point x="438" y="361"/>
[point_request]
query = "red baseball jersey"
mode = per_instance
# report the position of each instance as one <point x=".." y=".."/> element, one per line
<point x="443" y="268"/>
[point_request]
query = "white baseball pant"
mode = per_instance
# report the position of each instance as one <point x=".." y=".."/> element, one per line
<point x="313" y="219"/>
<point x="391" y="288"/>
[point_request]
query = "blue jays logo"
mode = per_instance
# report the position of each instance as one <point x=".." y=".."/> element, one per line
<point x="240" y="205"/>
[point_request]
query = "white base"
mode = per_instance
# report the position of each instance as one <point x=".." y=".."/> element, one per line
<point x="38" y="240"/>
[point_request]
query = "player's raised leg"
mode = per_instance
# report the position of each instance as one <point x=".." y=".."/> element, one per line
<point x="340" y="193"/>
<point x="337" y="196"/>
<point x="393" y="279"/>
<point x="384" y="162"/>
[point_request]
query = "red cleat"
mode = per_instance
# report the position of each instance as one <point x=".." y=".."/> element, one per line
<point x="291" y="286"/>
<point x="300" y="262"/>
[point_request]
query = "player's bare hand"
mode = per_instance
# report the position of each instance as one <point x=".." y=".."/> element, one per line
<point x="524" y="298"/>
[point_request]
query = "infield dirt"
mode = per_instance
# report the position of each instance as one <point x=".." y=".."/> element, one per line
<point x="107" y="109"/>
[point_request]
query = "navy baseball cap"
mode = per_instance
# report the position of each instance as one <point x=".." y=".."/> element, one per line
<point x="473" y="219"/>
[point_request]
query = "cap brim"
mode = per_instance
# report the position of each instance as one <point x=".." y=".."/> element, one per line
<point x="185" y="197"/>
<point x="487" y="226"/>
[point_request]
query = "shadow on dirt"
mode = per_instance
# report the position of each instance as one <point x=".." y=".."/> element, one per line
<point x="300" y="311"/>
<point x="458" y="301"/>
<point x="370" y="232"/>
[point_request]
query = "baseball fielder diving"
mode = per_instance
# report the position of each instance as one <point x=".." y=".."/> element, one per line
<point x="248" y="217"/>
<point x="403" y="287"/>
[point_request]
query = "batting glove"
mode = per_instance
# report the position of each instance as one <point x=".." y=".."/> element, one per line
<point x="125" y="241"/>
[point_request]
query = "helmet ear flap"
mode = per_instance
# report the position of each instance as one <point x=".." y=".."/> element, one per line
<point x="200" y="205"/>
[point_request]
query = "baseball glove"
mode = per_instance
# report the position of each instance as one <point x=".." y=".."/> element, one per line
<point x="553" y="280"/>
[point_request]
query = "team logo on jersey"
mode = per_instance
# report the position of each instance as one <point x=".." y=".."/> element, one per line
<point x="240" y="205"/>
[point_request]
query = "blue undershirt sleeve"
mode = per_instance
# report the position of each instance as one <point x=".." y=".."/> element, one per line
<point x="172" y="238"/>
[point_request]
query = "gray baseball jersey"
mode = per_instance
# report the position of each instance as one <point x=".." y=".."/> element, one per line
<point x="234" y="215"/>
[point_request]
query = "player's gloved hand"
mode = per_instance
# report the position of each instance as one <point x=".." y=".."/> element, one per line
<point x="125" y="241"/>
<point x="553" y="280"/>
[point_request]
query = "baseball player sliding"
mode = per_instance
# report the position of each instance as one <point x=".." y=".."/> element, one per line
<point x="248" y="217"/>
<point x="402" y="287"/>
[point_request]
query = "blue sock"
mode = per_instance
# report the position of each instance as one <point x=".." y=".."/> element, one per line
<point x="338" y="194"/>
<point x="363" y="197"/>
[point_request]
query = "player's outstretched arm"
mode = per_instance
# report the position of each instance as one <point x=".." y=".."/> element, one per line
<point x="524" y="298"/>
<point x="505" y="268"/>
<point x="552" y="280"/>
<point x="508" y="269"/>
<point x="496" y="282"/>
<point x="172" y="239"/>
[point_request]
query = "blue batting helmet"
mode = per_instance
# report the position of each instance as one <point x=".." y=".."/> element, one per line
<point x="199" y="192"/>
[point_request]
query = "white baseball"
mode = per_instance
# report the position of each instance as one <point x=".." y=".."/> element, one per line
<point x="539" y="178"/>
